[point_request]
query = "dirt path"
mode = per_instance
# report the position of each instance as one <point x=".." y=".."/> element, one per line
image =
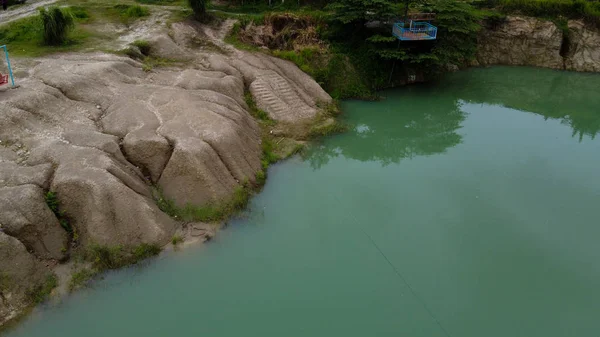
<point x="29" y="8"/>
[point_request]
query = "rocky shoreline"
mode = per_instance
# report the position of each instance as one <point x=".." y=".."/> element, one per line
<point x="101" y="135"/>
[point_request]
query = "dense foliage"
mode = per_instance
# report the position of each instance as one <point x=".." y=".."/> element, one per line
<point x="572" y="9"/>
<point x="373" y="47"/>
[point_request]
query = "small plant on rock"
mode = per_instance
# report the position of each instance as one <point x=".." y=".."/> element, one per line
<point x="176" y="240"/>
<point x="80" y="278"/>
<point x="52" y="202"/>
<point x="144" y="251"/>
<point x="143" y="45"/>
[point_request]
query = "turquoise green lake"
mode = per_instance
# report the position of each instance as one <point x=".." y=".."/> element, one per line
<point x="465" y="208"/>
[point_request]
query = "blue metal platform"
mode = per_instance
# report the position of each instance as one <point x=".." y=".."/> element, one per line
<point x="416" y="31"/>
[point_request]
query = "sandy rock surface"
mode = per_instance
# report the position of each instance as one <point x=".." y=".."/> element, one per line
<point x="19" y="272"/>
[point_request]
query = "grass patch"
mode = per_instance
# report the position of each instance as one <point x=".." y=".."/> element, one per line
<point x="233" y="39"/>
<point x="136" y="11"/>
<point x="215" y="211"/>
<point x="24" y="37"/>
<point x="80" y="14"/>
<point x="164" y="204"/>
<point x="143" y="45"/>
<point x="257" y="113"/>
<point x="327" y="124"/>
<point x="218" y="211"/>
<point x="268" y="150"/>
<point x="125" y="14"/>
<point x="81" y="278"/>
<point x="326" y="129"/>
<point x="176" y="239"/>
<point x="261" y="177"/>
<point x="144" y="251"/>
<point x="106" y="258"/>
<point x="152" y="62"/>
<point x="40" y="292"/>
<point x="143" y="51"/>
<point x="103" y="258"/>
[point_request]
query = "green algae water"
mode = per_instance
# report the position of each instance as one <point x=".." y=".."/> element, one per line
<point x="466" y="208"/>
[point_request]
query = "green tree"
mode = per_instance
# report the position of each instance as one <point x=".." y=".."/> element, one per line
<point x="361" y="11"/>
<point x="56" y="24"/>
<point x="366" y="20"/>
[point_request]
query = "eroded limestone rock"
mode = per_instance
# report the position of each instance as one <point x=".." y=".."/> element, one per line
<point x="537" y="42"/>
<point x="19" y="272"/>
<point x="521" y="41"/>
<point x="24" y="215"/>
<point x="584" y="50"/>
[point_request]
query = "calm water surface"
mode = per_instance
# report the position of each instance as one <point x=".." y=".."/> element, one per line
<point x="468" y="208"/>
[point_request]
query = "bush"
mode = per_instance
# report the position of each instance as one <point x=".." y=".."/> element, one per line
<point x="143" y="45"/>
<point x="56" y="24"/>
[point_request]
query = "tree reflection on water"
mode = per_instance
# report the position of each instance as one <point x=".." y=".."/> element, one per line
<point x="424" y="120"/>
<point x="417" y="127"/>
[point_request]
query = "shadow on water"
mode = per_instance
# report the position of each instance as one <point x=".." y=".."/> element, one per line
<point x="430" y="126"/>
